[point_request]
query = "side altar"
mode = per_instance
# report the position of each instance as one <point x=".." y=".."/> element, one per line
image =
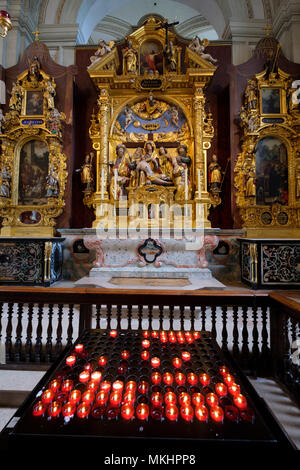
<point x="148" y="177"/>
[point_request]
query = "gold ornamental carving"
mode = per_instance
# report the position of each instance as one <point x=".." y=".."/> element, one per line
<point x="33" y="166"/>
<point x="151" y="131"/>
<point x="267" y="171"/>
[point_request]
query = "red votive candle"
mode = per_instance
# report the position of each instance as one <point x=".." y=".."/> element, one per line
<point x="171" y="412"/>
<point x="201" y="413"/>
<point x="102" y="397"/>
<point x="145" y="355"/>
<point x="172" y="338"/>
<point x="232" y="413"/>
<point x="155" y="378"/>
<point x="157" y="412"/>
<point x="88" y="397"/>
<point x="75" y="396"/>
<point x="125" y="354"/>
<point x="192" y="378"/>
<point x="247" y="415"/>
<point x="142" y="411"/>
<point x="93" y="386"/>
<point x="146" y="343"/>
<point x="47" y="396"/>
<point x="217" y="414"/>
<point x="118" y="386"/>
<point x="204" y="379"/>
<point x="163" y="337"/>
<point x="221" y="389"/>
<point x="88" y="367"/>
<point x="168" y="378"/>
<point x="240" y="401"/>
<point x="185" y="356"/>
<point x="143" y="387"/>
<point x="39" y="408"/>
<point x="54" y="385"/>
<point x="67" y="385"/>
<point x="106" y="386"/>
<point x="79" y="348"/>
<point x="155" y="362"/>
<point x="184" y="398"/>
<point x="70" y="361"/>
<point x="115" y="398"/>
<point x="212" y="399"/>
<point x="84" y="376"/>
<point x="170" y="398"/>
<point x="224" y="370"/>
<point x="83" y="410"/>
<point x="155" y="334"/>
<point x="177" y="362"/>
<point x="68" y="410"/>
<point x="187" y="412"/>
<point x="113" y="333"/>
<point x="96" y="376"/>
<point x="146" y="334"/>
<point x="228" y="379"/>
<point x="157" y="399"/>
<point x="129" y="397"/>
<point x="196" y="334"/>
<point x="54" y="409"/>
<point x="179" y="378"/>
<point x="127" y="411"/>
<point x="234" y="389"/>
<point x="102" y="361"/>
<point x="131" y="386"/>
<point x="198" y="399"/>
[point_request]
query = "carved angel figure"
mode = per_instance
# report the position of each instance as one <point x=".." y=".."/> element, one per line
<point x="103" y="49"/>
<point x="199" y="47"/>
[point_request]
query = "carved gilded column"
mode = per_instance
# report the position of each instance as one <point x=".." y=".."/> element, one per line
<point x="102" y="147"/>
<point x="199" y="101"/>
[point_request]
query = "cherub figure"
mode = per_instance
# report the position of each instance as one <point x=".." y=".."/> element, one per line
<point x="199" y="46"/>
<point x="103" y="49"/>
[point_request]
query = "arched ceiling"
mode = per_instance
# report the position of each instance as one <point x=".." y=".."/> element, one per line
<point x="112" y="19"/>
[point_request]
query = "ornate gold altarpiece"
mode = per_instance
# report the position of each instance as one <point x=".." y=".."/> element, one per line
<point x="140" y="101"/>
<point x="267" y="172"/>
<point x="33" y="166"/>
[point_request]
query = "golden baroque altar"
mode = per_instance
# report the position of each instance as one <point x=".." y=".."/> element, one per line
<point x="151" y="132"/>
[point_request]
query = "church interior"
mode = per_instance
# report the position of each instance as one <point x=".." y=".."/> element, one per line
<point x="150" y="226"/>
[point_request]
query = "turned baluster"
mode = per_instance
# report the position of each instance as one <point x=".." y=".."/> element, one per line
<point x="49" y="335"/>
<point x="19" y="329"/>
<point x="28" y="344"/>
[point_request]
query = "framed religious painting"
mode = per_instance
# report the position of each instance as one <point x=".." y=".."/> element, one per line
<point x="34" y="103"/>
<point x="151" y="57"/>
<point x="271" y="100"/>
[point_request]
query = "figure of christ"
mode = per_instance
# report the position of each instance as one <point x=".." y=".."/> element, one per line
<point x="150" y="58"/>
<point x="147" y="175"/>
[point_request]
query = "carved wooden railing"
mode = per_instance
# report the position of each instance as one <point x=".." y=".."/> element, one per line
<point x="285" y="339"/>
<point x="37" y="323"/>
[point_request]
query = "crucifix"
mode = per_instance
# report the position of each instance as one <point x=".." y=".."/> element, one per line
<point x="36" y="33"/>
<point x="166" y="26"/>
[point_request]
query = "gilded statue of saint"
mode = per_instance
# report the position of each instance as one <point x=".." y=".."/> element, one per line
<point x="214" y="174"/>
<point x="130" y="56"/>
<point x="251" y="184"/>
<point x="87" y="172"/>
<point x="120" y="173"/>
<point x="181" y="164"/>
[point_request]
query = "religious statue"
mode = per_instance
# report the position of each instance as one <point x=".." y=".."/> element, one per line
<point x="52" y="186"/>
<point x="199" y="47"/>
<point x="49" y="94"/>
<point x="2" y="119"/>
<point x="295" y="95"/>
<point x="34" y="76"/>
<point x="181" y="164"/>
<point x="251" y="184"/>
<point x="87" y="172"/>
<point x="130" y="58"/>
<point x="15" y="102"/>
<point x="165" y="162"/>
<point x="174" y="116"/>
<point x="103" y="49"/>
<point x="214" y="175"/>
<point x="5" y="179"/>
<point x="120" y="173"/>
<point x="170" y="55"/>
<point x="250" y="95"/>
<point x="129" y="117"/>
